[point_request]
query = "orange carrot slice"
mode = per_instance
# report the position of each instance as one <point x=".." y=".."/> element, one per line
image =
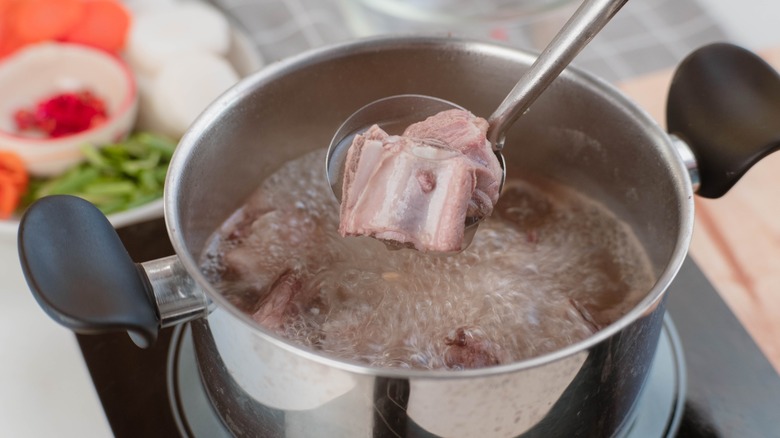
<point x="42" y="20"/>
<point x="12" y="168"/>
<point x="8" y="40"/>
<point x="5" y="4"/>
<point x="104" y="25"/>
<point x="9" y="197"/>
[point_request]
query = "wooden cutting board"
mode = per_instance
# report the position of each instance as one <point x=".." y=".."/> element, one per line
<point x="736" y="239"/>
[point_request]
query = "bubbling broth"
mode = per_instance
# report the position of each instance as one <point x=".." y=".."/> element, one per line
<point x="549" y="268"/>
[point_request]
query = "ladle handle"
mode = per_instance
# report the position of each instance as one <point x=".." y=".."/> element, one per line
<point x="587" y="21"/>
<point x="80" y="272"/>
<point x="724" y="103"/>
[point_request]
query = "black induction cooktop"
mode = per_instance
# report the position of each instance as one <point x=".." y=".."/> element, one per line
<point x="730" y="388"/>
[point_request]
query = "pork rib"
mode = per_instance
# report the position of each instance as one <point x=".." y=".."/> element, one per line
<point x="417" y="189"/>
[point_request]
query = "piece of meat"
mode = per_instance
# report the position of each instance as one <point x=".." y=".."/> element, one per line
<point x="261" y="244"/>
<point x="468" y="349"/>
<point x="278" y="303"/>
<point x="417" y="189"/>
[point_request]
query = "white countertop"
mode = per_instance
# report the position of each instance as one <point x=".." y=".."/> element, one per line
<point x="45" y="388"/>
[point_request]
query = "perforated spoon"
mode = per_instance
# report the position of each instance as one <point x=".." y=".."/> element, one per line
<point x="394" y="113"/>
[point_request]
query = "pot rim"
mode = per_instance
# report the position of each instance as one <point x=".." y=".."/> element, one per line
<point x="244" y="87"/>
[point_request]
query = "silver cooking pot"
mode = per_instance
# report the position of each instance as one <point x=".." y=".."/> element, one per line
<point x="581" y="132"/>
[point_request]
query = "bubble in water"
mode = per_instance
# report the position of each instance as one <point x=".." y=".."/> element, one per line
<point x="548" y="269"/>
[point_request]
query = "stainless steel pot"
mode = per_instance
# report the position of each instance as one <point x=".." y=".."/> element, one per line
<point x="581" y="132"/>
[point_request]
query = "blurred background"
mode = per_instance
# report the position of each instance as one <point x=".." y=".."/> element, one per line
<point x="645" y="36"/>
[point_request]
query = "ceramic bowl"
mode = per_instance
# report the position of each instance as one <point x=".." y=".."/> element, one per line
<point x="43" y="70"/>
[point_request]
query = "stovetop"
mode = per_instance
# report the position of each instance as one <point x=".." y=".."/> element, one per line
<point x="731" y="389"/>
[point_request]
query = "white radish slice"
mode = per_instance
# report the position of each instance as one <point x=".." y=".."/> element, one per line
<point x="146" y="120"/>
<point x="184" y="87"/>
<point x="188" y="27"/>
<point x="138" y="7"/>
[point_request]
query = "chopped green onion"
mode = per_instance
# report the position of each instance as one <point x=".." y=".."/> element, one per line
<point x="133" y="167"/>
<point x="110" y="188"/>
<point x="114" y="177"/>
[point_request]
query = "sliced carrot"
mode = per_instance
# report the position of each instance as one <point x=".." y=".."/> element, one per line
<point x="104" y="25"/>
<point x="10" y="45"/>
<point x="4" y="4"/>
<point x="9" y="197"/>
<point x="13" y="169"/>
<point x="9" y="41"/>
<point x="5" y="24"/>
<point x="42" y="20"/>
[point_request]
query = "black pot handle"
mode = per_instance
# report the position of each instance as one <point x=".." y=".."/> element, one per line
<point x="79" y="271"/>
<point x="724" y="102"/>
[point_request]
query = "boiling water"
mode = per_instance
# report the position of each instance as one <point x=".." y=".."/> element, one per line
<point x="548" y="269"/>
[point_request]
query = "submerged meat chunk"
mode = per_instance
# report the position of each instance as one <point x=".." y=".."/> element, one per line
<point x="468" y="348"/>
<point x="417" y="189"/>
<point x="278" y="304"/>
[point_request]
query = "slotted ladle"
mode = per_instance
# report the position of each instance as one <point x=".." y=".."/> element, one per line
<point x="395" y="113"/>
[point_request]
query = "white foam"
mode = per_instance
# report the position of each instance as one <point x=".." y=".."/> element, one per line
<point x="546" y="270"/>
